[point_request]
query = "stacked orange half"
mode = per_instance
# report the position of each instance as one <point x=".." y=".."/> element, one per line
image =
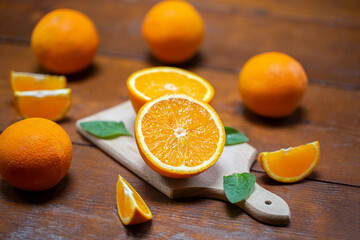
<point x="39" y="95"/>
<point x="149" y="83"/>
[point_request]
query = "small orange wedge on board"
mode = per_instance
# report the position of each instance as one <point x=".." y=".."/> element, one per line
<point x="131" y="207"/>
<point x="292" y="164"/>
<point x="49" y="104"/>
<point x="23" y="81"/>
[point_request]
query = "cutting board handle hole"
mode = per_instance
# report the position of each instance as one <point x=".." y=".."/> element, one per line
<point x="268" y="202"/>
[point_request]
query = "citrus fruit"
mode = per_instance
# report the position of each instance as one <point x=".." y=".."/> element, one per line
<point x="50" y="104"/>
<point x="21" y="81"/>
<point x="179" y="136"/>
<point x="292" y="164"/>
<point x="148" y="83"/>
<point x="131" y="207"/>
<point x="65" y="41"/>
<point x="272" y="84"/>
<point x="174" y="31"/>
<point x="35" y="154"/>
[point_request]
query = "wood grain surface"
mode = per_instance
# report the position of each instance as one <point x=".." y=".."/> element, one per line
<point x="323" y="35"/>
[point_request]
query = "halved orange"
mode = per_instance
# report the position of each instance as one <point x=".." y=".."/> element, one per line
<point x="148" y="83"/>
<point x="292" y="164"/>
<point x="179" y="136"/>
<point x="49" y="104"/>
<point x="131" y="207"/>
<point x="22" y="81"/>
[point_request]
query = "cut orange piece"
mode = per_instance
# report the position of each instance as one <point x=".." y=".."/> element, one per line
<point x="179" y="136"/>
<point x="292" y="164"/>
<point x="49" y="104"/>
<point x="131" y="207"/>
<point x="153" y="82"/>
<point x="21" y="81"/>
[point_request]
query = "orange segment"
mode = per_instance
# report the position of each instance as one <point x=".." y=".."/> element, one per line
<point x="49" y="104"/>
<point x="152" y="82"/>
<point x="131" y="207"/>
<point x="292" y="164"/>
<point x="21" y="81"/>
<point x="179" y="136"/>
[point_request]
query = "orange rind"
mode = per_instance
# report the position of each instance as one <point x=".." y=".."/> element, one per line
<point x="49" y="104"/>
<point x="131" y="207"/>
<point x="148" y="83"/>
<point x="292" y="164"/>
<point x="179" y="136"/>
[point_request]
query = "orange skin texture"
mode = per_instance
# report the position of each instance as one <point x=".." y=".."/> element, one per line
<point x="35" y="154"/>
<point x="65" y="41"/>
<point x="272" y="84"/>
<point x="174" y="31"/>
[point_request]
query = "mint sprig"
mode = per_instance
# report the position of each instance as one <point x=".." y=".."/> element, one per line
<point x="233" y="136"/>
<point x="238" y="186"/>
<point x="105" y="129"/>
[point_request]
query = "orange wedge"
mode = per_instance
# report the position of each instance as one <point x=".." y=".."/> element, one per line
<point x="179" y="136"/>
<point x="21" y="81"/>
<point x="49" y="104"/>
<point x="152" y="82"/>
<point x="292" y="164"/>
<point x="131" y="207"/>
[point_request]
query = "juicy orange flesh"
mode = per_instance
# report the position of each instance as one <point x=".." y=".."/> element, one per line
<point x="28" y="83"/>
<point x="49" y="107"/>
<point x="159" y="83"/>
<point x="293" y="163"/>
<point x="125" y="203"/>
<point x="178" y="132"/>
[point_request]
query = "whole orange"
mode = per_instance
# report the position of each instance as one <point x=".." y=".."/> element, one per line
<point x="35" y="154"/>
<point x="174" y="31"/>
<point x="65" y="41"/>
<point x="272" y="84"/>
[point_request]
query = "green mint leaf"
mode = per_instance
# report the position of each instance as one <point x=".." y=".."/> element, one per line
<point x="233" y="136"/>
<point x="238" y="186"/>
<point x="105" y="129"/>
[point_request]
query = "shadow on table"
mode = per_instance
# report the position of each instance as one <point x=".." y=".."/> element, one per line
<point x="13" y="194"/>
<point x="193" y="62"/>
<point x="269" y="181"/>
<point x="92" y="69"/>
<point x="66" y="119"/>
<point x="234" y="211"/>
<point x="138" y="230"/>
<point x="295" y="118"/>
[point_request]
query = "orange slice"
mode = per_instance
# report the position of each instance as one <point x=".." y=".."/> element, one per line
<point x="179" y="136"/>
<point x="21" y="81"/>
<point x="152" y="82"/>
<point x="131" y="207"/>
<point x="292" y="164"/>
<point x="50" y="104"/>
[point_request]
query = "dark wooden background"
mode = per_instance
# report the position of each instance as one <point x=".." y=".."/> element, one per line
<point x="324" y="35"/>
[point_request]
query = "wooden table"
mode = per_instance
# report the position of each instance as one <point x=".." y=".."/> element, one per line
<point x="324" y="35"/>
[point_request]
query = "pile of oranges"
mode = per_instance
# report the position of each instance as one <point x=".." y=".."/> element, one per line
<point x="169" y="100"/>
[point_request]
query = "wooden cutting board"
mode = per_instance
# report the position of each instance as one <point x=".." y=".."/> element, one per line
<point x="260" y="204"/>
